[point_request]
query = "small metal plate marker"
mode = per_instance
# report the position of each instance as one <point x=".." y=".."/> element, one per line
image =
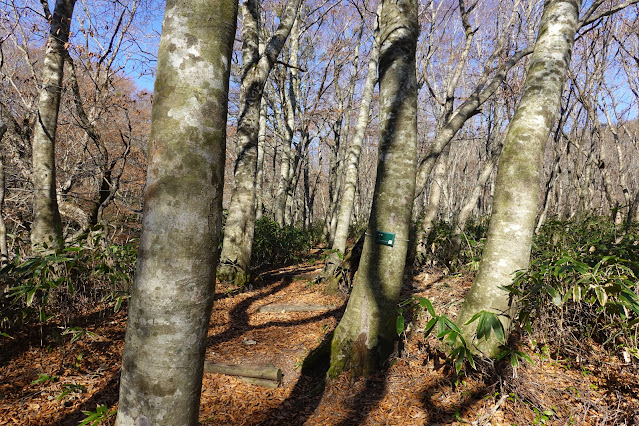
<point x="385" y="238"/>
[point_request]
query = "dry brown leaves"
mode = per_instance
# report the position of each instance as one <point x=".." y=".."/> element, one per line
<point x="418" y="388"/>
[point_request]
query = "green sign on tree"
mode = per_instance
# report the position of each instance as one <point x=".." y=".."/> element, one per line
<point x="385" y="238"/>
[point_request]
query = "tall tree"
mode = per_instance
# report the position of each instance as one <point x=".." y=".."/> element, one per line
<point x="172" y="295"/>
<point x="240" y="223"/>
<point x="4" y="253"/>
<point x="47" y="225"/>
<point x="287" y="123"/>
<point x="512" y="223"/>
<point x="346" y="201"/>
<point x="364" y="337"/>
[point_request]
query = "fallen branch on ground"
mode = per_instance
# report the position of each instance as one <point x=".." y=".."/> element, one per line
<point x="261" y="375"/>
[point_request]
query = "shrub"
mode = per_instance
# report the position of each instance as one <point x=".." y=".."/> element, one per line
<point x="275" y="245"/>
<point x="440" y="243"/>
<point x="583" y="282"/>
<point x="70" y="279"/>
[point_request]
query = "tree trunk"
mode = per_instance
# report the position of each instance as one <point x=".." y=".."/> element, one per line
<point x="470" y="204"/>
<point x="516" y="200"/>
<point x="364" y="337"/>
<point x="261" y="146"/>
<point x="172" y="296"/>
<point x="345" y="209"/>
<point x="4" y="253"/>
<point x="430" y="217"/>
<point x="47" y="225"/>
<point x="289" y="107"/>
<point x="240" y="223"/>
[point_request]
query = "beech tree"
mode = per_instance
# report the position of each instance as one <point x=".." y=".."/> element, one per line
<point x="174" y="286"/>
<point x="515" y="205"/>
<point x="347" y="199"/>
<point x="47" y="225"/>
<point x="240" y="223"/>
<point x="364" y="337"/>
<point x="3" y="229"/>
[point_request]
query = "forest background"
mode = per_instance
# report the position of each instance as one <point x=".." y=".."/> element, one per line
<point x="471" y="62"/>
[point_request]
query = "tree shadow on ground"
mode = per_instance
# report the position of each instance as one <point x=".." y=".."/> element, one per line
<point x="240" y="315"/>
<point x="365" y="400"/>
<point x="107" y="396"/>
<point x="452" y="397"/>
<point x="443" y="412"/>
<point x="50" y="334"/>
<point x="311" y="389"/>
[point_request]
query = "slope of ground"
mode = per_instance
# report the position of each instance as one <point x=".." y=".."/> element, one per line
<point x="46" y="380"/>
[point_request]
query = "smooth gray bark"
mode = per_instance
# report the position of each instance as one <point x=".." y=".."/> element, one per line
<point x="432" y="209"/>
<point x="261" y="144"/>
<point x="516" y="200"/>
<point x="289" y="107"/>
<point x="364" y="337"/>
<point x="47" y="225"/>
<point x="345" y="209"/>
<point x="240" y="223"/>
<point x="471" y="202"/>
<point x="4" y="253"/>
<point x="174" y="286"/>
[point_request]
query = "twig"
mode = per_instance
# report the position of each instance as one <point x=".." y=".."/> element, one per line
<point x="483" y="419"/>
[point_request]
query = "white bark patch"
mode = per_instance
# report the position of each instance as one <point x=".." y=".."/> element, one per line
<point x="187" y="114"/>
<point x="365" y="326"/>
<point x="186" y="47"/>
<point x="512" y="228"/>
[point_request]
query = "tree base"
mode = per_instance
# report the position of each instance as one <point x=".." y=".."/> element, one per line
<point x="230" y="273"/>
<point x="338" y="274"/>
<point x="318" y="360"/>
<point x="356" y="357"/>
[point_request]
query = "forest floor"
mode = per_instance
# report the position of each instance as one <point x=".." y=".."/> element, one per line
<point x="419" y="387"/>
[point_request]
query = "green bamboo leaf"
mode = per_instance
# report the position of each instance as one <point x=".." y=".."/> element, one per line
<point x="471" y="360"/>
<point x="554" y="295"/>
<point x="498" y="328"/>
<point x="429" y="306"/>
<point x="441" y="335"/>
<point x="450" y="324"/>
<point x="524" y="356"/>
<point x="513" y="360"/>
<point x="601" y="294"/>
<point x="399" y="325"/>
<point x="451" y="338"/>
<point x="474" y="318"/>
<point x="30" y="296"/>
<point x="482" y="330"/>
<point x="441" y="326"/>
<point x="576" y="293"/>
<point x="430" y="326"/>
<point x="459" y="363"/>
